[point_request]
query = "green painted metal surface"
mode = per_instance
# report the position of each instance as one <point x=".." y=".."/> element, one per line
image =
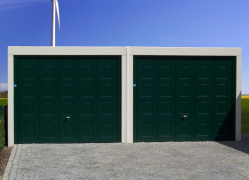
<point x="88" y="100"/>
<point x="28" y="111"/>
<point x="184" y="98"/>
<point x="68" y="88"/>
<point x="147" y="105"/>
<point x="67" y="100"/>
<point x="203" y="100"/>
<point x="155" y="100"/>
<point x="166" y="80"/>
<point x="48" y="100"/>
<point x="107" y="100"/>
<point x="223" y="114"/>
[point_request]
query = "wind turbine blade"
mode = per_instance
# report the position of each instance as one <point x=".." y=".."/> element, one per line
<point x="57" y="10"/>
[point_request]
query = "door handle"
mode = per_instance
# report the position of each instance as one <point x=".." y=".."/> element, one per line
<point x="67" y="118"/>
<point x="184" y="116"/>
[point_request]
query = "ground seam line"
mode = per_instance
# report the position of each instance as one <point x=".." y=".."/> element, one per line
<point x="10" y="163"/>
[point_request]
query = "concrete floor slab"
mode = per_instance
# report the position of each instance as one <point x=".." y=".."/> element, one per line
<point x="169" y="160"/>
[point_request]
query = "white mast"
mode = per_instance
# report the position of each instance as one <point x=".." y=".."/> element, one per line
<point x="55" y="6"/>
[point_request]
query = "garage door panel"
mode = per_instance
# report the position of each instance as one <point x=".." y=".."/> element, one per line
<point x="68" y="100"/>
<point x="106" y="130"/>
<point x="106" y="70"/>
<point x="185" y="89"/>
<point x="147" y="100"/>
<point x="147" y="107"/>
<point x="184" y="69"/>
<point x="87" y="89"/>
<point x="203" y="107"/>
<point x="165" y="129"/>
<point x="48" y="88"/>
<point x="68" y="130"/>
<point x="29" y="89"/>
<point x="203" y="100"/>
<point x="29" y="69"/>
<point x="221" y="106"/>
<point x="68" y="107"/>
<point x="68" y="89"/>
<point x="28" y="113"/>
<point x="29" y="130"/>
<point x="184" y="100"/>
<point x="166" y="89"/>
<point x="147" y="129"/>
<point x="29" y="108"/>
<point x="48" y="100"/>
<point x="68" y="70"/>
<point x="88" y="131"/>
<point x="203" y="88"/>
<point x="222" y="89"/>
<point x="49" y="130"/>
<point x="166" y="70"/>
<point x="147" y="89"/>
<point x="199" y="88"/>
<point x="106" y="107"/>
<point x="185" y="129"/>
<point x="166" y="107"/>
<point x="166" y="100"/>
<point x="222" y="70"/>
<point x="106" y="89"/>
<point x="147" y="69"/>
<point x="223" y="128"/>
<point x="88" y="108"/>
<point x="87" y="69"/>
<point x="68" y="127"/>
<point x="47" y="69"/>
<point x="204" y="129"/>
<point x="185" y="106"/>
<point x="107" y="100"/>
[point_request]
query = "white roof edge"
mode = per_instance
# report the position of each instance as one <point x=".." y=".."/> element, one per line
<point x="118" y="50"/>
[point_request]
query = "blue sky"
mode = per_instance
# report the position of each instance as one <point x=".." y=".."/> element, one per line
<point x="164" y="23"/>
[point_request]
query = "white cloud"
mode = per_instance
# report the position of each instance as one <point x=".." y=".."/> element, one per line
<point x="6" y="2"/>
<point x="3" y="86"/>
<point x="13" y="4"/>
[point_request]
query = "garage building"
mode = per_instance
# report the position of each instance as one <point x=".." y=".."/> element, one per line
<point x="123" y="94"/>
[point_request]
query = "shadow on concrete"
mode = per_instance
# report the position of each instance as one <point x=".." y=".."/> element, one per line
<point x="242" y="145"/>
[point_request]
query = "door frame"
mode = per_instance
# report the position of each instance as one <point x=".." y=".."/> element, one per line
<point x="61" y="57"/>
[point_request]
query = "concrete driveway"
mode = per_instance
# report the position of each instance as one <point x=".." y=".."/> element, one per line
<point x="169" y="160"/>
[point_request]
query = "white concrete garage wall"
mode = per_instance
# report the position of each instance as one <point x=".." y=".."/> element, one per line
<point x="127" y="54"/>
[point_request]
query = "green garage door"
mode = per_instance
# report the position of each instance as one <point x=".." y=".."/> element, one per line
<point x="184" y="99"/>
<point x="60" y="100"/>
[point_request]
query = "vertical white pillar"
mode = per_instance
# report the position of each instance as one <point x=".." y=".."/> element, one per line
<point x="10" y="100"/>
<point x="238" y="98"/>
<point x="123" y="100"/>
<point x="129" y="93"/>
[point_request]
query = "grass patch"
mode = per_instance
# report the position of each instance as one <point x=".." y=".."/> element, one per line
<point x="2" y="133"/>
<point x="4" y="101"/>
<point x="244" y="115"/>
